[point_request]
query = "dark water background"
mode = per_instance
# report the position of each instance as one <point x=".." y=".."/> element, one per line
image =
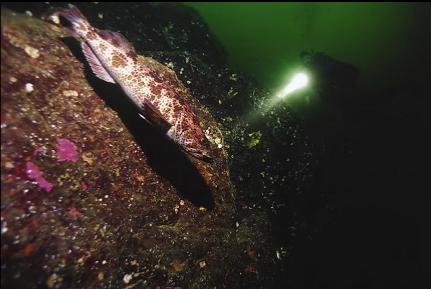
<point x="374" y="134"/>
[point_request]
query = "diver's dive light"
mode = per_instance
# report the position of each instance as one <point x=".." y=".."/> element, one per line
<point x="299" y="80"/>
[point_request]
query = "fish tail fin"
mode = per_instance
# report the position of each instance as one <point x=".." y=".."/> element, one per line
<point x="79" y="23"/>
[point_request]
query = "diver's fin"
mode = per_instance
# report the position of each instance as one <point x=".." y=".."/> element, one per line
<point x="154" y="117"/>
<point x="95" y="64"/>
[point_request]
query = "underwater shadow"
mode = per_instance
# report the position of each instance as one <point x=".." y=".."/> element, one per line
<point x="164" y="156"/>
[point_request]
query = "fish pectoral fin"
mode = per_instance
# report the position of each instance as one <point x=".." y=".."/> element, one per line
<point x="95" y="64"/>
<point x="154" y="117"/>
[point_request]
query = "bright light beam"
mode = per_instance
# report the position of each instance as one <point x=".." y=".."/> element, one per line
<point x="299" y="80"/>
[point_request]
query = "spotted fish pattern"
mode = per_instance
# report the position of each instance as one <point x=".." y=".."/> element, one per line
<point x="113" y="58"/>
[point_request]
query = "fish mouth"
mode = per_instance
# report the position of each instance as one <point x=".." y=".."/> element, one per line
<point x="207" y="157"/>
<point x="201" y="155"/>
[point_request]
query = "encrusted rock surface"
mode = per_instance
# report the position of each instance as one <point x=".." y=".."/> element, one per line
<point x="93" y="197"/>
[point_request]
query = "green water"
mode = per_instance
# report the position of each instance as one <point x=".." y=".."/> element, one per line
<point x="265" y="39"/>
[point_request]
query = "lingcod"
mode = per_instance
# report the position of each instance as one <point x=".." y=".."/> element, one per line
<point x="113" y="58"/>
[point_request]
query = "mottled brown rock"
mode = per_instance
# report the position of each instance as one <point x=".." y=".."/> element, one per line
<point x="131" y="209"/>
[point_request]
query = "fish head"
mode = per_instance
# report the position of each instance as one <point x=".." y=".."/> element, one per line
<point x="194" y="142"/>
<point x="191" y="138"/>
<point x="201" y="153"/>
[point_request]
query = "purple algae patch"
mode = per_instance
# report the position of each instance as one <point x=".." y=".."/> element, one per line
<point x="34" y="173"/>
<point x="36" y="152"/>
<point x="66" y="150"/>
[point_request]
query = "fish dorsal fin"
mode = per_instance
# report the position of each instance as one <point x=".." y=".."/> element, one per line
<point x="95" y="64"/>
<point x="154" y="117"/>
<point x="117" y="39"/>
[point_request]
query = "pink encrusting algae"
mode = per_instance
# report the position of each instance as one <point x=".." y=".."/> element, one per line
<point x="34" y="173"/>
<point x="66" y="150"/>
<point x="73" y="213"/>
<point x="36" y="152"/>
<point x="84" y="186"/>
